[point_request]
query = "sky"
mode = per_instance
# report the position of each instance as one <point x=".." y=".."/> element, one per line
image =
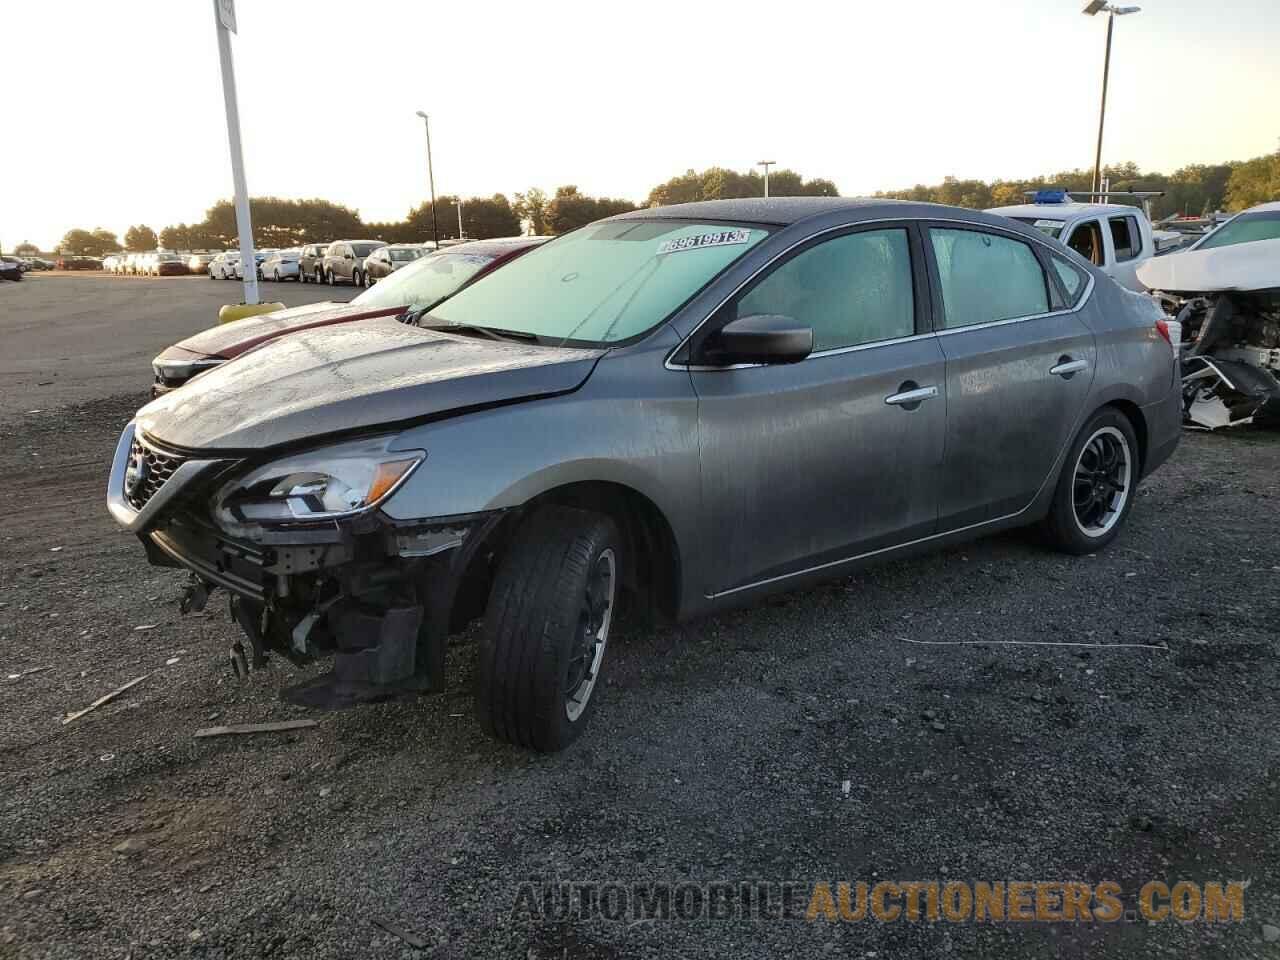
<point x="115" y="112"/>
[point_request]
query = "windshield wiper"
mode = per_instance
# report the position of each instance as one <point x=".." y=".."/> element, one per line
<point x="493" y="333"/>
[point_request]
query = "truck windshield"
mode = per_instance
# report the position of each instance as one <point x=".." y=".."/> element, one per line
<point x="1245" y="228"/>
<point x="606" y="282"/>
<point x="1050" y="228"/>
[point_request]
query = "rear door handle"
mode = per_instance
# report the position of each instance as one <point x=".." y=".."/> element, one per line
<point x="911" y="397"/>
<point x="1068" y="367"/>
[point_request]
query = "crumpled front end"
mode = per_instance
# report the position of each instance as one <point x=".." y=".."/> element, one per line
<point x="312" y="567"/>
<point x="1230" y="357"/>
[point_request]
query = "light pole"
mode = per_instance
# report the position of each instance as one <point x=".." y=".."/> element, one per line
<point x="1095" y="7"/>
<point x="431" y="176"/>
<point x="224" y="18"/>
<point x="766" y="164"/>
<point x="459" y="218"/>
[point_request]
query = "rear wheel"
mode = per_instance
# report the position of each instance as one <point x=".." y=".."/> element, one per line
<point x="1095" y="489"/>
<point x="546" y="628"/>
<point x="356" y="280"/>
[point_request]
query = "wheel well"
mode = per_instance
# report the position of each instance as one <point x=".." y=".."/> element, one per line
<point x="1139" y="423"/>
<point x="652" y="581"/>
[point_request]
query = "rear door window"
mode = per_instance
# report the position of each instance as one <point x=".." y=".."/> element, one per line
<point x="1125" y="238"/>
<point x="986" y="277"/>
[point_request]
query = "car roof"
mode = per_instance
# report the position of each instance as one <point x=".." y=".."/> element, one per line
<point x="1272" y="207"/>
<point x="783" y="211"/>
<point x="1061" y="211"/>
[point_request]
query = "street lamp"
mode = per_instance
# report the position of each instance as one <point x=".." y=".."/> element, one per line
<point x="766" y="164"/>
<point x="1095" y="7"/>
<point x="431" y="176"/>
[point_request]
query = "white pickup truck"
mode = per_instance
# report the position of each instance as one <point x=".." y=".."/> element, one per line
<point x="1113" y="236"/>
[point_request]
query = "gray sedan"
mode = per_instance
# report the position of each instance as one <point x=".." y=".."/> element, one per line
<point x="688" y="407"/>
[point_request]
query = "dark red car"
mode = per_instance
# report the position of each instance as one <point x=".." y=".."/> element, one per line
<point x="418" y="287"/>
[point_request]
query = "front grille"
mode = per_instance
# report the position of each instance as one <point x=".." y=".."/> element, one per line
<point x="147" y="472"/>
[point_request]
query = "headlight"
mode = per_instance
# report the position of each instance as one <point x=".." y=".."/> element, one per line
<point x="323" y="484"/>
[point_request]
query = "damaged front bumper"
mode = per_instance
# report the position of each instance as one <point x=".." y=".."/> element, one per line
<point x="378" y="595"/>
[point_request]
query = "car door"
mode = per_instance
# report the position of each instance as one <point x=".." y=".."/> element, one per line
<point x="1019" y="364"/>
<point x="807" y="464"/>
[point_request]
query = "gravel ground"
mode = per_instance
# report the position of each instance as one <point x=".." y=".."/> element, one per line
<point x="718" y="754"/>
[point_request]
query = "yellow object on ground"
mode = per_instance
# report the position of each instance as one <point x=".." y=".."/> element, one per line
<point x="238" y="311"/>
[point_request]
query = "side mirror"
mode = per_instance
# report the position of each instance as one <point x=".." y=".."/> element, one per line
<point x="761" y="338"/>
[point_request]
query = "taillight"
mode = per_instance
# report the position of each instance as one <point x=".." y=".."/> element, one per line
<point x="1163" y="327"/>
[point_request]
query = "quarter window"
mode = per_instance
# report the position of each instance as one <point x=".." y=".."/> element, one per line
<point x="1073" y="279"/>
<point x="1125" y="238"/>
<point x="850" y="290"/>
<point x="986" y="277"/>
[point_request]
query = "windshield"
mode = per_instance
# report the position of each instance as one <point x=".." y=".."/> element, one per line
<point x="1245" y="228"/>
<point x="364" y="249"/>
<point x="603" y="283"/>
<point x="1050" y="228"/>
<point x="425" y="282"/>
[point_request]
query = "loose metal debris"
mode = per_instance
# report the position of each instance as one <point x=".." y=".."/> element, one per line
<point x="231" y="729"/>
<point x="103" y="699"/>
<point x="15" y="677"/>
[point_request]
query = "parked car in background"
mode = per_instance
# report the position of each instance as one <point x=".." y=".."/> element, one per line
<point x="386" y="260"/>
<point x="79" y="263"/>
<point x="581" y="431"/>
<point x="311" y="263"/>
<point x="1257" y="223"/>
<point x="168" y="265"/>
<point x="258" y="257"/>
<point x="40" y="263"/>
<point x="416" y="288"/>
<point x="344" y="261"/>
<point x="223" y="266"/>
<point x="281" y="265"/>
<point x="199" y="262"/>
<point x="10" y="268"/>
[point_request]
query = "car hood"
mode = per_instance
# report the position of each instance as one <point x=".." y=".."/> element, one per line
<point x="1241" y="266"/>
<point x="354" y="377"/>
<point x="232" y="339"/>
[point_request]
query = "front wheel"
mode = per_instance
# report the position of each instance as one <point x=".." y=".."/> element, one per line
<point x="368" y="280"/>
<point x="546" y="628"/>
<point x="1095" y="489"/>
<point x="356" y="281"/>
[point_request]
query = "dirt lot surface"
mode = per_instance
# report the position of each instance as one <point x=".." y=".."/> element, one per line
<point x="719" y="753"/>
<point x="75" y="336"/>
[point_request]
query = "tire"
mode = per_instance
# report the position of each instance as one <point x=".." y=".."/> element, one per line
<point x="328" y="277"/>
<point x="531" y="689"/>
<point x="319" y="276"/>
<point x="275" y="276"/>
<point x="368" y="280"/>
<point x="356" y="279"/>
<point x="1095" y="489"/>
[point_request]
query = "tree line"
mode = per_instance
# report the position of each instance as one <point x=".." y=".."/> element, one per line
<point x="286" y="223"/>
<point x="1192" y="190"/>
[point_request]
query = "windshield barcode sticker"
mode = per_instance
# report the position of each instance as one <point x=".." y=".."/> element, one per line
<point x="720" y="238"/>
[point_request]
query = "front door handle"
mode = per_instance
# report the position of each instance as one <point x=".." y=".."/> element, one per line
<point x="1066" y="367"/>
<point x="910" y="399"/>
